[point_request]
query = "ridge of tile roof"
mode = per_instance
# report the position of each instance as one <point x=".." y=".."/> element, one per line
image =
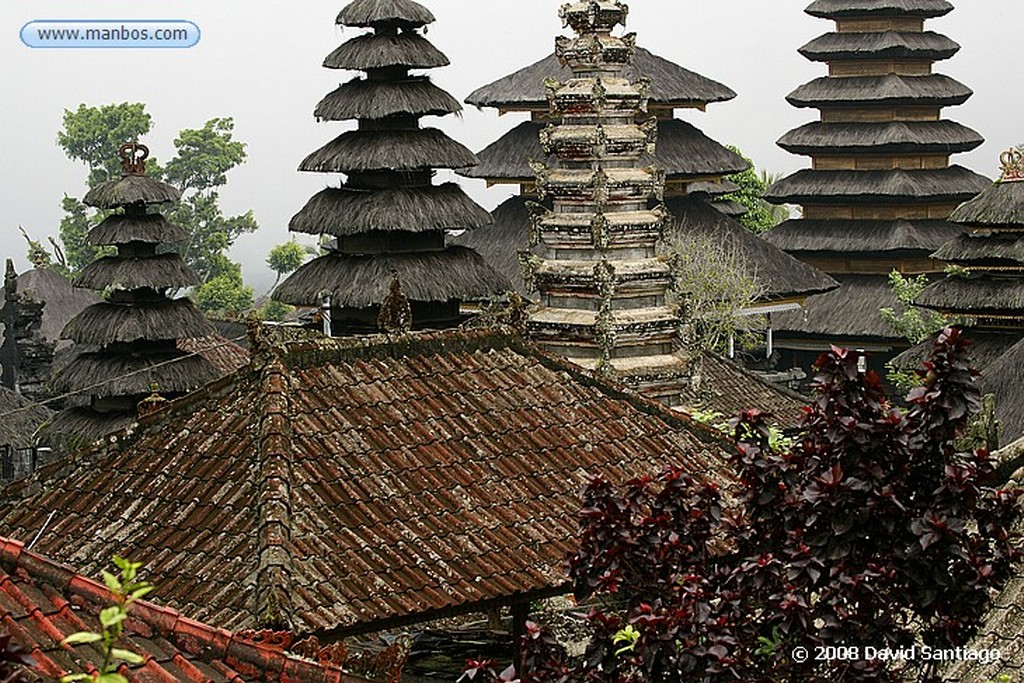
<point x="399" y="480"/>
<point x="42" y="602"/>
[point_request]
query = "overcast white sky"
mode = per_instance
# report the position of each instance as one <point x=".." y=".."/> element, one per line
<point x="259" y="62"/>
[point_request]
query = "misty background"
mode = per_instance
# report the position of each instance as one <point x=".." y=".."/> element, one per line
<point x="258" y="61"/>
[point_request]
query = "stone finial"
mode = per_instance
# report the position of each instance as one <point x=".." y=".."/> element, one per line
<point x="133" y="158"/>
<point x="395" y="315"/>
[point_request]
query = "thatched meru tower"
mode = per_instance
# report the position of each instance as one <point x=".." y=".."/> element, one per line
<point x="388" y="220"/>
<point x="989" y="288"/>
<point x="602" y="285"/>
<point x="135" y="330"/>
<point x="880" y="187"/>
<point x="693" y="163"/>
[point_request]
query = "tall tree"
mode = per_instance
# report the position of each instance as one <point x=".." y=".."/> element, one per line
<point x="204" y="157"/>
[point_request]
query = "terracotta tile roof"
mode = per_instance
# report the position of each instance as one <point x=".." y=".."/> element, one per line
<point x="336" y="485"/>
<point x="42" y="602"/>
<point x="729" y="389"/>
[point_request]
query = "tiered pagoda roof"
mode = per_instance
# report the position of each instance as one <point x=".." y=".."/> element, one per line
<point x="880" y="188"/>
<point x="135" y="331"/>
<point x="387" y="221"/>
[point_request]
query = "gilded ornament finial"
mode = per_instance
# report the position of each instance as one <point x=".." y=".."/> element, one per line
<point x="133" y="158"/>
<point x="1012" y="161"/>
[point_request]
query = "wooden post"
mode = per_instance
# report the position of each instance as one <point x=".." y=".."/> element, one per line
<point x="520" y="612"/>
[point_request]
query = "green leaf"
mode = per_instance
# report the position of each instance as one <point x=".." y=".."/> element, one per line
<point x="112" y="615"/>
<point x="142" y="591"/>
<point x="127" y="656"/>
<point x="111" y="678"/>
<point x="82" y="637"/>
<point x="72" y="678"/>
<point x="113" y="583"/>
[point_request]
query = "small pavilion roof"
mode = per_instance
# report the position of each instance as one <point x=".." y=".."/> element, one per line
<point x="671" y="85"/>
<point x="928" y="46"/>
<point x="837" y="9"/>
<point x="370" y="13"/>
<point x="808" y="186"/>
<point x="682" y="151"/>
<point x="861" y="236"/>
<point x="892" y="89"/>
<point x="999" y="205"/>
<point x="42" y="602"/>
<point x="985" y="246"/>
<point x="976" y="294"/>
<point x="851" y="310"/>
<point x="338" y="486"/>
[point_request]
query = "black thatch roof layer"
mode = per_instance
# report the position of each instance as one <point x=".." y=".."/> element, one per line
<point x="389" y="150"/>
<point x="982" y="247"/>
<point x="1000" y="205"/>
<point x="671" y="84"/>
<point x="861" y="236"/>
<point x="925" y="137"/>
<point x="1002" y="379"/>
<point x="835" y="9"/>
<point x="884" y="45"/>
<point x="373" y="99"/>
<point x="374" y="51"/>
<point x="363" y="281"/>
<point x="20" y="419"/>
<point x="976" y="294"/>
<point x="849" y="311"/>
<point x="108" y="323"/>
<point x="63" y="300"/>
<point x="986" y="348"/>
<point x="123" y="228"/>
<point x="893" y="89"/>
<point x="781" y="275"/>
<point x="955" y="183"/>
<point x="131" y="189"/>
<point x="173" y="372"/>
<point x="500" y="242"/>
<point x="369" y="13"/>
<point x="75" y="428"/>
<point x="682" y="151"/>
<point x="164" y="271"/>
<point x="343" y="212"/>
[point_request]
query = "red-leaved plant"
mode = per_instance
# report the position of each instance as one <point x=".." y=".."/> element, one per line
<point x="872" y="529"/>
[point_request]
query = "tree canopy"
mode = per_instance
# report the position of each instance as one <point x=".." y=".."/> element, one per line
<point x="203" y="158"/>
<point x="761" y="215"/>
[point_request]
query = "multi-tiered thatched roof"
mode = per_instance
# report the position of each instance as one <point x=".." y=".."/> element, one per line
<point x="135" y="331"/>
<point x="881" y="187"/>
<point x="388" y="220"/>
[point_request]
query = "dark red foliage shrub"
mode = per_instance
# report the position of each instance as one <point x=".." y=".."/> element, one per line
<point x="870" y="530"/>
<point x="12" y="659"/>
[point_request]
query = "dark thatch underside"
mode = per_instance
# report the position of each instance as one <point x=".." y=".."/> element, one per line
<point x="934" y="89"/>
<point x="884" y="45"/>
<point x="131" y="189"/>
<point x="682" y="151"/>
<point x="500" y="242"/>
<point x="76" y="428"/>
<point x="955" y="183"/>
<point x="781" y="275"/>
<point x="976" y="294"/>
<point x="20" y="419"/>
<point x="986" y="348"/>
<point x="121" y="229"/>
<point x="860" y="236"/>
<point x="671" y="84"/>
<point x="107" y="323"/>
<point x="366" y="99"/>
<point x="924" y="137"/>
<point x="368" y="13"/>
<point x="375" y="51"/>
<point x="343" y="212"/>
<point x="849" y="311"/>
<point x="105" y="375"/>
<point x="1003" y="248"/>
<point x="1001" y="205"/>
<point x="1002" y="379"/>
<point x="833" y="9"/>
<point x="389" y="150"/>
<point x="363" y="281"/>
<point x="63" y="300"/>
<point x="164" y="271"/>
